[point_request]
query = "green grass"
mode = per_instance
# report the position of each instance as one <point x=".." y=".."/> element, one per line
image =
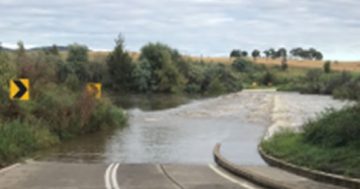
<point x="18" y="139"/>
<point x="330" y="144"/>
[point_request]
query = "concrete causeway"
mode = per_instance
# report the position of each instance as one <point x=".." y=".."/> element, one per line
<point x="47" y="175"/>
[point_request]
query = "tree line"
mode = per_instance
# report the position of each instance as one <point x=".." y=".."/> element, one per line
<point x="298" y="53"/>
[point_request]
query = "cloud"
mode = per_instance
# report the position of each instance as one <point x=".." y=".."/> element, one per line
<point x="208" y="27"/>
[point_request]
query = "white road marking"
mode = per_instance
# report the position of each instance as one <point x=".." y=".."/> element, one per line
<point x="230" y="178"/>
<point x="107" y="177"/>
<point x="114" y="177"/>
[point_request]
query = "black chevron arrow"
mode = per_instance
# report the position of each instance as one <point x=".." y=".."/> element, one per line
<point x="22" y="89"/>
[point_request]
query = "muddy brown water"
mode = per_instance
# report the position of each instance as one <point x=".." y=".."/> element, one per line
<point x="170" y="129"/>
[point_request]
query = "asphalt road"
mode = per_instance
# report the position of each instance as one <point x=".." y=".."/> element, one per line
<point x="47" y="175"/>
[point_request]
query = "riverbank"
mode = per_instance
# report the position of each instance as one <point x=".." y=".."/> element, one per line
<point x="22" y="137"/>
<point x="329" y="143"/>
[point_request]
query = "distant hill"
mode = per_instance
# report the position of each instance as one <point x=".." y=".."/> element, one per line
<point x="6" y="49"/>
<point x="60" y="48"/>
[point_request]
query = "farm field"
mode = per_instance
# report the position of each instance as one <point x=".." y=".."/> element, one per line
<point x="352" y="66"/>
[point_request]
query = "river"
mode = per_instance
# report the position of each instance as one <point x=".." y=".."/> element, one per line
<point x="187" y="133"/>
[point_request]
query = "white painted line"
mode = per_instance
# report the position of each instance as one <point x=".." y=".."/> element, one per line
<point x="114" y="177"/>
<point x="230" y="178"/>
<point x="107" y="177"/>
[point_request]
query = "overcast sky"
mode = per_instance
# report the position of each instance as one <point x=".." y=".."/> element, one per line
<point x="197" y="27"/>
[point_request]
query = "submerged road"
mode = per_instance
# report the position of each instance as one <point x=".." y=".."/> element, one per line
<point x="172" y="149"/>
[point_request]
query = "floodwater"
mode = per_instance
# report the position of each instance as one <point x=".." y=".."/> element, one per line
<point x="187" y="133"/>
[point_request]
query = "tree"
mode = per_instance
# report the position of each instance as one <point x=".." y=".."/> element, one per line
<point x="243" y="65"/>
<point x="310" y="54"/>
<point x="21" y="57"/>
<point x="318" y="56"/>
<point x="8" y="70"/>
<point x="255" y="54"/>
<point x="120" y="66"/>
<point x="77" y="57"/>
<point x="142" y="75"/>
<point x="244" y="53"/>
<point x="327" y="67"/>
<point x="296" y="52"/>
<point x="21" y="49"/>
<point x="54" y="50"/>
<point x="272" y="53"/>
<point x="282" y="53"/>
<point x="164" y="73"/>
<point x="267" y="53"/>
<point x="284" y="64"/>
<point x="77" y="53"/>
<point x="235" y="53"/>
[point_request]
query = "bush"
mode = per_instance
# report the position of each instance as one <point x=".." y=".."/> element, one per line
<point x="268" y="78"/>
<point x="164" y="73"/>
<point x="327" y="67"/>
<point x="19" y="138"/>
<point x="335" y="128"/>
<point x="223" y="79"/>
<point x="243" y="65"/>
<point x="8" y="69"/>
<point x="293" y="148"/>
<point x="348" y="90"/>
<point x="216" y="87"/>
<point x="59" y="108"/>
<point x="78" y="54"/>
<point x="315" y="82"/>
<point x="329" y="143"/>
<point x="106" y="116"/>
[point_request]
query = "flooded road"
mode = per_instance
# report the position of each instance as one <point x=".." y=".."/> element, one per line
<point x="188" y="133"/>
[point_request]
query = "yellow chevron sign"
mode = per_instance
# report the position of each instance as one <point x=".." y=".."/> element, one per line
<point x="20" y="89"/>
<point x="94" y="89"/>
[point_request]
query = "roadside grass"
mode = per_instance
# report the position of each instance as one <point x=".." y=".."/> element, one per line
<point x="38" y="125"/>
<point x="330" y="143"/>
<point x="20" y="138"/>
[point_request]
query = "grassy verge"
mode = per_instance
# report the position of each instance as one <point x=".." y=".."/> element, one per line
<point x="330" y="144"/>
<point x="38" y="125"/>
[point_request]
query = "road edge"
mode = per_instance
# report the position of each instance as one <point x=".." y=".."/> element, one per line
<point x="310" y="173"/>
<point x="9" y="167"/>
<point x="233" y="168"/>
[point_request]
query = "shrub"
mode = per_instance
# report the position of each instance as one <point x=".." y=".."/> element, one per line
<point x="292" y="147"/>
<point x="327" y="67"/>
<point x="284" y="65"/>
<point x="349" y="90"/>
<point x="77" y="53"/>
<point x="8" y="69"/>
<point x="216" y="87"/>
<point x="19" y="138"/>
<point x="335" y="128"/>
<point x="164" y="74"/>
<point x="268" y="78"/>
<point x="228" y="80"/>
<point x="243" y="65"/>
